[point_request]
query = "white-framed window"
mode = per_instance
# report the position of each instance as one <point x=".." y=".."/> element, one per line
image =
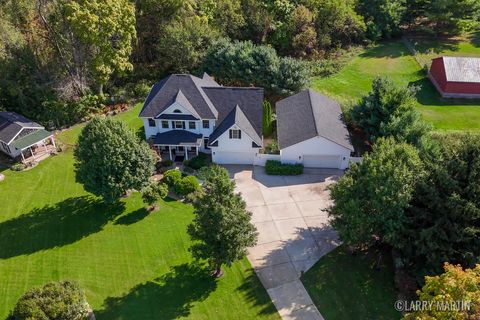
<point x="151" y="122"/>
<point x="177" y="111"/>
<point x="191" y="125"/>
<point x="178" y="125"/>
<point x="235" y="134"/>
<point x="164" y="124"/>
<point x="206" y="124"/>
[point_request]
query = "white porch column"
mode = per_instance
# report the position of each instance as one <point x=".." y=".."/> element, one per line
<point x="196" y="151"/>
<point x="23" y="158"/>
<point x="53" y="142"/>
<point x="186" y="152"/>
<point x="170" y="152"/>
<point x="45" y="146"/>
<point x="31" y="151"/>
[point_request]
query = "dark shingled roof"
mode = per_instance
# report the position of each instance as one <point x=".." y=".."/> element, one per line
<point x="12" y="123"/>
<point x="177" y="137"/>
<point x="177" y="116"/>
<point x="249" y="100"/>
<point x="308" y="114"/>
<point x="182" y="88"/>
<point x="236" y="116"/>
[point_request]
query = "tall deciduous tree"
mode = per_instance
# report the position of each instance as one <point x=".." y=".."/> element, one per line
<point x="106" y="28"/>
<point x="371" y="198"/>
<point x="383" y="17"/>
<point x="55" y="300"/>
<point x="454" y="16"/>
<point x="110" y="159"/>
<point x="221" y="229"/>
<point x="454" y="287"/>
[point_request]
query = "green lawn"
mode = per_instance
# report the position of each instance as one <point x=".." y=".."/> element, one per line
<point x="131" y="263"/>
<point x="392" y="59"/>
<point x="349" y="287"/>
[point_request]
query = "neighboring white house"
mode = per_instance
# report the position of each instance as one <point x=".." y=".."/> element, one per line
<point x="21" y="137"/>
<point x="184" y="114"/>
<point x="311" y="131"/>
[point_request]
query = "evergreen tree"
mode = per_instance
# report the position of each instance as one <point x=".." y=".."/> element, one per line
<point x="267" y="119"/>
<point x="221" y="229"/>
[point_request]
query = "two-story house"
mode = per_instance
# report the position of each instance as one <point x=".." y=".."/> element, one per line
<point x="184" y="114"/>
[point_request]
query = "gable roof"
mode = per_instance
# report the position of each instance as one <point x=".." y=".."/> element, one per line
<point x="236" y="117"/>
<point x="12" y="123"/>
<point x="183" y="101"/>
<point x="166" y="91"/>
<point x="308" y="114"/>
<point x="248" y="100"/>
<point x="462" y="69"/>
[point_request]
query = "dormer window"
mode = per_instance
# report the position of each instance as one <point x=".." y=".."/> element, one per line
<point x="177" y="111"/>
<point x="206" y="124"/>
<point x="235" y="134"/>
<point x="151" y="122"/>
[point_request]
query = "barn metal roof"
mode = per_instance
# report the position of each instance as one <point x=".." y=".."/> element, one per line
<point x="462" y="69"/>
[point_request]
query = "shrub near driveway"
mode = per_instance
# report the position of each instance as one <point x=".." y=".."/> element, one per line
<point x="273" y="167"/>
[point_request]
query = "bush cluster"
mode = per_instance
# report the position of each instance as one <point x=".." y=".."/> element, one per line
<point x="161" y="166"/>
<point x="273" y="167"/>
<point x="197" y="162"/>
<point x="17" y="167"/>
<point x="181" y="185"/>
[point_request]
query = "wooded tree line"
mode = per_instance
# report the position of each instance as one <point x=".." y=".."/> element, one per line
<point x="56" y="54"/>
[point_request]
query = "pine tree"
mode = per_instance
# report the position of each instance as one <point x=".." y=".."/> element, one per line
<point x="221" y="230"/>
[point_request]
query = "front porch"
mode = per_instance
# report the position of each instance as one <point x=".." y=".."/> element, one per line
<point x="177" y="145"/>
<point x="36" y="146"/>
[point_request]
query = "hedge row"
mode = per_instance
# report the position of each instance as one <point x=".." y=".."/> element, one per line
<point x="273" y="167"/>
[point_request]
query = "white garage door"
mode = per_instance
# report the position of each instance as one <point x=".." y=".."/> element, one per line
<point x="322" y="161"/>
<point x="233" y="157"/>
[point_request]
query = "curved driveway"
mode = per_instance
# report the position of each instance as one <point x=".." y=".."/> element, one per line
<point x="293" y="228"/>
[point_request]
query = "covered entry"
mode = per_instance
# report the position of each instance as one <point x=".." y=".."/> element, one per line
<point x="177" y="145"/>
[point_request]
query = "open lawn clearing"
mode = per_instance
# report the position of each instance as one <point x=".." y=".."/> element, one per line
<point x="131" y="263"/>
<point x="345" y="286"/>
<point x="392" y="59"/>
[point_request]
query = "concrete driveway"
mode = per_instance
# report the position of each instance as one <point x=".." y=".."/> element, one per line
<point x="293" y="228"/>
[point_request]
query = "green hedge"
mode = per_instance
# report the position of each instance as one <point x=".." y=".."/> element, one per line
<point x="273" y="167"/>
<point x="197" y="162"/>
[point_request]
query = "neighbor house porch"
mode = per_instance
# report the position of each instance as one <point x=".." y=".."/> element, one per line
<point x="36" y="146"/>
<point x="177" y="145"/>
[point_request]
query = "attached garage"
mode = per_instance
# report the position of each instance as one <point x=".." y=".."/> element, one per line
<point x="311" y="131"/>
<point x="229" y="157"/>
<point x="322" y="161"/>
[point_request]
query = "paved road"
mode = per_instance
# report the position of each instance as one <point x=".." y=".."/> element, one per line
<point x="293" y="232"/>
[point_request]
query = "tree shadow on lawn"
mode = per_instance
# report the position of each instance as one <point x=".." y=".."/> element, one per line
<point x="56" y="225"/>
<point x="392" y="49"/>
<point x="168" y="297"/>
<point x="256" y="294"/>
<point x="132" y="217"/>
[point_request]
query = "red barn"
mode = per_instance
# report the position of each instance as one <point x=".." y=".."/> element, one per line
<point x="456" y="77"/>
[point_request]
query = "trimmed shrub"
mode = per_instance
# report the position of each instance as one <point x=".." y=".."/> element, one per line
<point x="186" y="185"/>
<point x="170" y="177"/>
<point x="273" y="167"/>
<point x="17" y="167"/>
<point x="55" y="300"/>
<point x="197" y="162"/>
<point x="163" y="164"/>
<point x="154" y="192"/>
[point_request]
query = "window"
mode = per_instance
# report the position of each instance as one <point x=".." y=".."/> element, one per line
<point x="151" y="122"/>
<point x="235" y="134"/>
<point x="206" y="124"/>
<point x="191" y="125"/>
<point x="164" y="124"/>
<point x="177" y="111"/>
<point x="178" y="125"/>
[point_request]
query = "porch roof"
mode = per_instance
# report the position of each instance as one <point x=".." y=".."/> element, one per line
<point x="31" y="139"/>
<point x="177" y="138"/>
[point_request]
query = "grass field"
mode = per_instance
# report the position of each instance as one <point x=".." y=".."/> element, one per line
<point x="349" y="287"/>
<point x="392" y="59"/>
<point x="131" y="263"/>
